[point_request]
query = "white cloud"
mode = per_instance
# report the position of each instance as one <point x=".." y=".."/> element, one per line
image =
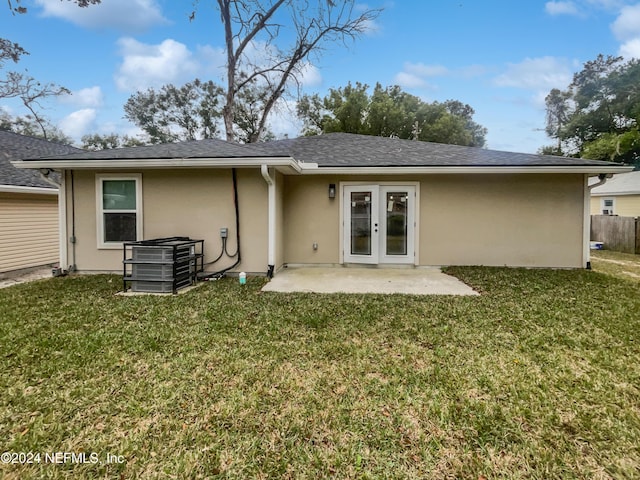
<point x="371" y="27"/>
<point x="78" y="123"/>
<point x="409" y="80"/>
<point x="561" y="8"/>
<point x="212" y="59"/>
<point x="422" y="70"/>
<point x="626" y="28"/>
<point x="86" y="97"/>
<point x="310" y="75"/>
<point x="145" y="66"/>
<point x="124" y="15"/>
<point x="543" y="73"/>
<point x="630" y="49"/>
<point x="627" y="25"/>
<point x="414" y="75"/>
<point x="473" y="71"/>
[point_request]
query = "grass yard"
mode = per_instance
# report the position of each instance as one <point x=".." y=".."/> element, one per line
<point x="623" y="265"/>
<point x="538" y="378"/>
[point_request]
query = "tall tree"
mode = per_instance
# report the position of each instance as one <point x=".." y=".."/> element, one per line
<point x="31" y="93"/>
<point x="390" y="112"/>
<point x="177" y="113"/>
<point x="96" y="141"/>
<point x="598" y="115"/>
<point x="558" y="105"/>
<point x="26" y="125"/>
<point x="251" y="25"/>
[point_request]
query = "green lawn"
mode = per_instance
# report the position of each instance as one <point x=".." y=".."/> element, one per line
<point x="537" y="378"/>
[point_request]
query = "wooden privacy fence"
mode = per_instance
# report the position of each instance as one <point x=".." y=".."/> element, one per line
<point x="621" y="234"/>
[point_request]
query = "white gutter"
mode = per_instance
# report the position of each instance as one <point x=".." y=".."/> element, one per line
<point x="139" y="163"/>
<point x="271" y="249"/>
<point x="35" y="190"/>
<point x="589" y="169"/>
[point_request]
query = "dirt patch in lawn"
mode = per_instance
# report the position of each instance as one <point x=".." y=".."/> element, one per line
<point x="621" y="265"/>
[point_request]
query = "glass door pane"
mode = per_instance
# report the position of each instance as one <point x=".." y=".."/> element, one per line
<point x="360" y="223"/>
<point x="396" y="213"/>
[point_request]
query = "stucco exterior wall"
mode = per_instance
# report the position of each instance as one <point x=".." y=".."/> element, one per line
<point x="483" y="219"/>
<point x="625" y="205"/>
<point x="28" y="230"/>
<point x="193" y="203"/>
<point x="515" y="220"/>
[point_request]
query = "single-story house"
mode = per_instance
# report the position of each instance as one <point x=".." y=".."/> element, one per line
<point x="29" y="233"/>
<point x="619" y="195"/>
<point x="333" y="199"/>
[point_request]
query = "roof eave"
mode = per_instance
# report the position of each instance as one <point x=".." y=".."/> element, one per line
<point x="583" y="169"/>
<point x="30" y="190"/>
<point x="283" y="164"/>
<point x="611" y="193"/>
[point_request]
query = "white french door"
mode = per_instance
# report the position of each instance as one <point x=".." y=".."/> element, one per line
<point x="379" y="223"/>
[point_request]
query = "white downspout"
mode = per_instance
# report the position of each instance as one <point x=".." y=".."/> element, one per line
<point x="586" y="224"/>
<point x="271" y="255"/>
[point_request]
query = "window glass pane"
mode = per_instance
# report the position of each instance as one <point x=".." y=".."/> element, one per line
<point x="119" y="194"/>
<point x="119" y="227"/>
<point x="396" y="223"/>
<point x="361" y="223"/>
<point x="608" y="203"/>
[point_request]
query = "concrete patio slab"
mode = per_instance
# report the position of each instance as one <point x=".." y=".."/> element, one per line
<point x="9" y="279"/>
<point x="411" y="281"/>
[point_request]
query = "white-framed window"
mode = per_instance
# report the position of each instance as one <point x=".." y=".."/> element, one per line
<point x="118" y="209"/>
<point x="607" y="206"/>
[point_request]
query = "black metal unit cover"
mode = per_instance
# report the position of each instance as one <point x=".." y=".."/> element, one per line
<point x="162" y="265"/>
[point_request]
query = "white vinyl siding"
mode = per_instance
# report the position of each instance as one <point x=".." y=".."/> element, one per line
<point x="28" y="232"/>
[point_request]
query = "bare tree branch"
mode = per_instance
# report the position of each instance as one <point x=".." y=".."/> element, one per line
<point x="248" y="22"/>
<point x="31" y="93"/>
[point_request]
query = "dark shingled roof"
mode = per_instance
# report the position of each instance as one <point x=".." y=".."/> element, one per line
<point x="349" y="150"/>
<point x="209" y="148"/>
<point x="339" y="150"/>
<point x="14" y="146"/>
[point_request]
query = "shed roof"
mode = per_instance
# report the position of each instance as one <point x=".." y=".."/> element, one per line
<point x="620" y="184"/>
<point x="14" y="146"/>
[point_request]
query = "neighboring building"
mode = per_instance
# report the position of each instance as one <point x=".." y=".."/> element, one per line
<point x="28" y="205"/>
<point x="332" y="199"/>
<point x="619" y="195"/>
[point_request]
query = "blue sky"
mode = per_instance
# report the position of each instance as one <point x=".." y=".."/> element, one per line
<point x="500" y="56"/>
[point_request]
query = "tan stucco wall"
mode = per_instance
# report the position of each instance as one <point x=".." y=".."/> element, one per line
<point x="515" y="220"/>
<point x="483" y="219"/>
<point x="28" y="230"/>
<point x="311" y="217"/>
<point x="625" y="205"/>
<point x="193" y="203"/>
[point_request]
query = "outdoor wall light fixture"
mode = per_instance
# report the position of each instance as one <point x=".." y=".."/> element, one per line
<point x="332" y="190"/>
